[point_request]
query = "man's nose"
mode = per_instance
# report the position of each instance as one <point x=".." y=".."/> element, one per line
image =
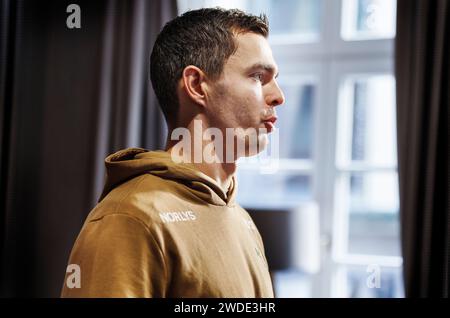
<point x="275" y="95"/>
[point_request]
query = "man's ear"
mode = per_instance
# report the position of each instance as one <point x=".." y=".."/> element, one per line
<point x="193" y="81"/>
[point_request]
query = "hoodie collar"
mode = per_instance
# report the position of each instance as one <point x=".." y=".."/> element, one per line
<point x="132" y="162"/>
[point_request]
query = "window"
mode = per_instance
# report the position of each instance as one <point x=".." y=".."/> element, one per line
<point x="367" y="182"/>
<point x="351" y="281"/>
<point x="366" y="229"/>
<point x="368" y="19"/>
<point x="290" y="20"/>
<point x="337" y="137"/>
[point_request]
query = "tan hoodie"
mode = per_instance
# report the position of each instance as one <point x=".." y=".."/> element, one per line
<point x="163" y="229"/>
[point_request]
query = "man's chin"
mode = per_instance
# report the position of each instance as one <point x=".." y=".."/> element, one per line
<point x="255" y="149"/>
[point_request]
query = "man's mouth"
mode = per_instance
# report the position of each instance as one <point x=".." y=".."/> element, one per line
<point x="270" y="123"/>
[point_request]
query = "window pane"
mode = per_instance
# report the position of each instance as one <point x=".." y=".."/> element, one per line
<point x="368" y="282"/>
<point x="374" y="192"/>
<point x="272" y="190"/>
<point x="290" y="20"/>
<point x="372" y="212"/>
<point x="368" y="19"/>
<point x="295" y="121"/>
<point x="367" y="121"/>
<point x="290" y="17"/>
<point x="292" y="284"/>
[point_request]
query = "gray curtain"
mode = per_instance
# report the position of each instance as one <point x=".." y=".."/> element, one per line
<point x="422" y="70"/>
<point x="68" y="98"/>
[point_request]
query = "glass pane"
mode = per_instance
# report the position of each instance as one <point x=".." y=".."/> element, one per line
<point x="374" y="192"/>
<point x="290" y="17"/>
<point x="291" y="20"/>
<point x="368" y="19"/>
<point x="282" y="189"/>
<point x="295" y="121"/>
<point x="371" y="281"/>
<point x="367" y="121"/>
<point x="292" y="284"/>
<point x="370" y="202"/>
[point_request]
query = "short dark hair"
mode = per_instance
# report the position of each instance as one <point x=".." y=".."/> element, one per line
<point x="203" y="38"/>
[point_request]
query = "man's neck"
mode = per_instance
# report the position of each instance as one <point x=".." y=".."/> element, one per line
<point x="219" y="169"/>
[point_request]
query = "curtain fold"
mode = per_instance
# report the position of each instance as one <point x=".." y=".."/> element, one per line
<point x="68" y="98"/>
<point x="129" y="115"/>
<point x="422" y="74"/>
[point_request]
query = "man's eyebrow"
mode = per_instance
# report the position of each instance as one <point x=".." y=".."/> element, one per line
<point x="267" y="67"/>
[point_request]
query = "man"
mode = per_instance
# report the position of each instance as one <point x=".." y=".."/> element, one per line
<point x="167" y="224"/>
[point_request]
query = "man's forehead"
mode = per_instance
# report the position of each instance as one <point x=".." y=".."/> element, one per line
<point x="253" y="51"/>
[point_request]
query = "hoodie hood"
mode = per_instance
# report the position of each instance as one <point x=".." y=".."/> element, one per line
<point x="132" y="162"/>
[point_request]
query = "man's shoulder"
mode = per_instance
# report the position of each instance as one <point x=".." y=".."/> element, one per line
<point x="143" y="198"/>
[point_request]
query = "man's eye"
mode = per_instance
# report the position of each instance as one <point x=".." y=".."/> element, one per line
<point x="258" y="77"/>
